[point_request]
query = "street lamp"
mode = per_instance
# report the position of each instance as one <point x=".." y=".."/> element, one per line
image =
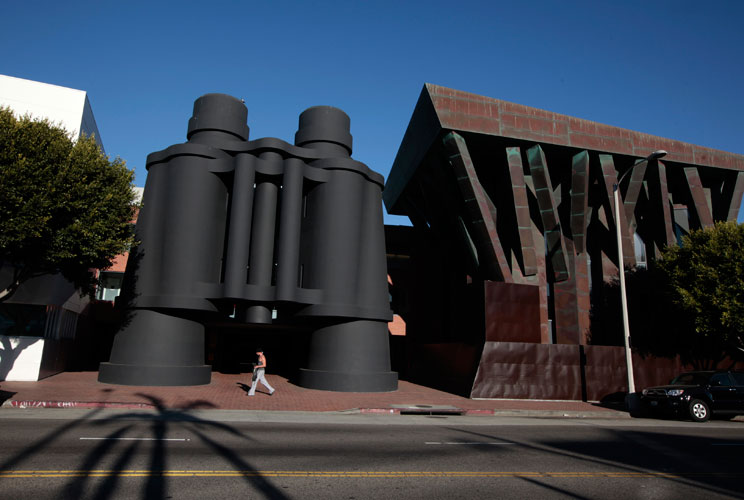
<point x="621" y="266"/>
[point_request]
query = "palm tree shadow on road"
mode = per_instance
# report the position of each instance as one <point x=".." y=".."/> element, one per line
<point x="120" y="460"/>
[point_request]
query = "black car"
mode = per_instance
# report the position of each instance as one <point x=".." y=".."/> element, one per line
<point x="698" y="395"/>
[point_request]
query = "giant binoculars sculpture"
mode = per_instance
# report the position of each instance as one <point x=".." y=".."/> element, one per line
<point x="256" y="228"/>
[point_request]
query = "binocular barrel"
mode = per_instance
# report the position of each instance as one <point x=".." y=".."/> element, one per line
<point x="274" y="232"/>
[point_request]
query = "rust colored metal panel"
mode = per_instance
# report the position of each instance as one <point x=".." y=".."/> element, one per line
<point x="540" y="279"/>
<point x="571" y="301"/>
<point x="734" y="196"/>
<point x="479" y="208"/>
<point x="528" y="371"/>
<point x="634" y="190"/>
<point x="556" y="247"/>
<point x="565" y="302"/>
<point x="662" y="195"/>
<point x="606" y="372"/>
<point x="579" y="200"/>
<point x="522" y="209"/>
<point x="610" y="179"/>
<point x="566" y="318"/>
<point x="457" y="110"/>
<point x="512" y="312"/>
<point x="698" y="197"/>
<point x="711" y="158"/>
<point x="583" y="296"/>
<point x="540" y="371"/>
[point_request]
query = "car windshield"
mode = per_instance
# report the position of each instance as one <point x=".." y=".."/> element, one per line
<point x="690" y="379"/>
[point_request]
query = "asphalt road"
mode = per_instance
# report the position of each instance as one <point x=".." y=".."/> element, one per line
<point x="123" y="454"/>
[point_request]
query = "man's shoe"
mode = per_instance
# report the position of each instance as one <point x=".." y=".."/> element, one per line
<point x="272" y="392"/>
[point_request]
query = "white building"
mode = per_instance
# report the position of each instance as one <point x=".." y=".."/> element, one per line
<point x="69" y="108"/>
<point x="38" y="323"/>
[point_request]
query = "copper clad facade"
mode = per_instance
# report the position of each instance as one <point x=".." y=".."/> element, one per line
<point x="513" y="240"/>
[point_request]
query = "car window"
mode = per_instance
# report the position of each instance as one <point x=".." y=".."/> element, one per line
<point x="739" y="378"/>
<point x="690" y="379"/>
<point x="720" y="379"/>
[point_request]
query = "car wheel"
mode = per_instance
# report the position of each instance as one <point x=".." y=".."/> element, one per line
<point x="699" y="410"/>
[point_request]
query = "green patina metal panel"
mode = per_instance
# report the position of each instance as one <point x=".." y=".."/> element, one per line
<point x="732" y="193"/>
<point x="634" y="190"/>
<point x="555" y="246"/>
<point x="480" y="210"/>
<point x="522" y="210"/>
<point x="579" y="199"/>
<point x="609" y="174"/>
<point x="662" y="197"/>
<point x="698" y="197"/>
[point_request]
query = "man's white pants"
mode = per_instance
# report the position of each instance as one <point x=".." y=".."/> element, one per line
<point x="260" y="378"/>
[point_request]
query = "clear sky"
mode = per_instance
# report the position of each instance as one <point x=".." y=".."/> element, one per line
<point x="672" y="68"/>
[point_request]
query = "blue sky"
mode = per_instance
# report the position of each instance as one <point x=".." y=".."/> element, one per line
<point x="668" y="68"/>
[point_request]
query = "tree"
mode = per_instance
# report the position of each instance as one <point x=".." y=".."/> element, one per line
<point x="65" y="207"/>
<point x="706" y="275"/>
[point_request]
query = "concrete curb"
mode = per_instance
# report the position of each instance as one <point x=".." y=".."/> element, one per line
<point x="500" y="413"/>
<point x="392" y="410"/>
<point x="561" y="414"/>
<point x="76" y="404"/>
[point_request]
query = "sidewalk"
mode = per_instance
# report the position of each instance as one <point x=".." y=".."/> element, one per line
<point x="228" y="392"/>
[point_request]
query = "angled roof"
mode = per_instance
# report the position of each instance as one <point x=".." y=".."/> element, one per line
<point x="441" y="108"/>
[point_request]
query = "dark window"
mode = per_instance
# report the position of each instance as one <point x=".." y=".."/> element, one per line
<point x="721" y="379"/>
<point x="690" y="379"/>
<point x="22" y="320"/>
<point x="739" y="378"/>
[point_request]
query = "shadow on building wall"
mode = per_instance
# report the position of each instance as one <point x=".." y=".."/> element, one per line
<point x="658" y="328"/>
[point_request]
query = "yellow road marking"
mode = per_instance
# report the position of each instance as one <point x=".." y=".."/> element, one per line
<point x="29" y="474"/>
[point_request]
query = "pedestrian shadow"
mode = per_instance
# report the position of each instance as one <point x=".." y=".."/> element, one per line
<point x="101" y="469"/>
<point x="247" y="388"/>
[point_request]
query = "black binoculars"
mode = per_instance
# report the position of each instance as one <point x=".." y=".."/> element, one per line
<point x="266" y="232"/>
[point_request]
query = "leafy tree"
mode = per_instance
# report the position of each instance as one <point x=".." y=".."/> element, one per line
<point x="706" y="275"/>
<point x="64" y="206"/>
<point x="686" y="304"/>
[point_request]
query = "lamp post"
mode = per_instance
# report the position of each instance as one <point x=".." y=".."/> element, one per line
<point x="621" y="267"/>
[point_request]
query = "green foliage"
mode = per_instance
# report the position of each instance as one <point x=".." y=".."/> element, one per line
<point x="689" y="303"/>
<point x="706" y="275"/>
<point x="64" y="206"/>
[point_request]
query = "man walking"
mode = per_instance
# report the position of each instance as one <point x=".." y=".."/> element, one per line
<point x="259" y="374"/>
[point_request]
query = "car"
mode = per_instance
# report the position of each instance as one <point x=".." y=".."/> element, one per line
<point x="698" y="395"/>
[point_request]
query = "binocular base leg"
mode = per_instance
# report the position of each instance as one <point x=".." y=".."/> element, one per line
<point x="157" y="349"/>
<point x="350" y="357"/>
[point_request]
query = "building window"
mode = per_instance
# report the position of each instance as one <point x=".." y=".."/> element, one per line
<point x="22" y="320"/>
<point x="109" y="285"/>
<point x="640" y="251"/>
